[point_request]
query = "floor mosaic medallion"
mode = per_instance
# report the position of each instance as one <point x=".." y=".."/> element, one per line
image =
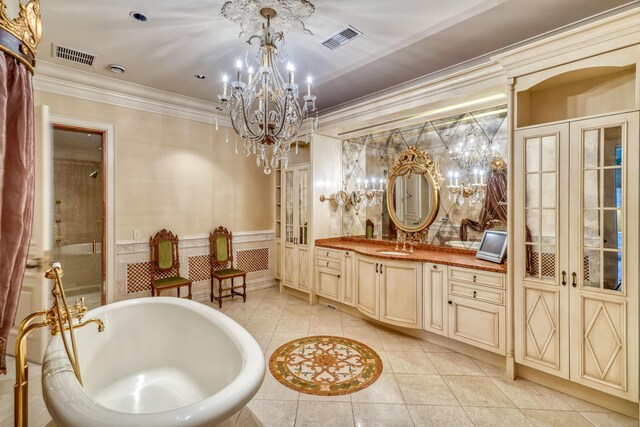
<point x="325" y="365"/>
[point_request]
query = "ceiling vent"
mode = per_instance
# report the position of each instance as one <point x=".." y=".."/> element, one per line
<point x="341" y="37"/>
<point x="74" y="55"/>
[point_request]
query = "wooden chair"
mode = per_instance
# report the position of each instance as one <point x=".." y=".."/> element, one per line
<point x="221" y="256"/>
<point x="165" y="264"/>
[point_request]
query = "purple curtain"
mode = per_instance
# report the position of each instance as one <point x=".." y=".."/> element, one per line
<point x="16" y="187"/>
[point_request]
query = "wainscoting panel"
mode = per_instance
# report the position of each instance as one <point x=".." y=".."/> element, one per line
<point x="253" y="252"/>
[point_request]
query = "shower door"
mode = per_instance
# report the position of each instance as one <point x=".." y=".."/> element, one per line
<point x="78" y="211"/>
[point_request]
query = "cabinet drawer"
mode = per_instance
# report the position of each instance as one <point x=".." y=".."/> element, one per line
<point x="477" y="277"/>
<point x="479" y="293"/>
<point x="329" y="263"/>
<point x="328" y="253"/>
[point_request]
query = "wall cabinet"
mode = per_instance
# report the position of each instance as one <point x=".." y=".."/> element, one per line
<point x="576" y="260"/>
<point x="295" y="249"/>
<point x="390" y="291"/>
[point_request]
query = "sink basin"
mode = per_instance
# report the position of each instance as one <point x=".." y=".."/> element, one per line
<point x="396" y="253"/>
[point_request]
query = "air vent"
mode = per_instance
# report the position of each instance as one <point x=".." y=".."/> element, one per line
<point x="73" y="55"/>
<point x="341" y="37"/>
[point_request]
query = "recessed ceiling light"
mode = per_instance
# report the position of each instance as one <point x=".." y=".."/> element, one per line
<point x="200" y="76"/>
<point x="117" y="68"/>
<point x="139" y="16"/>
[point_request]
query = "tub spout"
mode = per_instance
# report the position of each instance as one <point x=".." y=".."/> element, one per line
<point x="59" y="318"/>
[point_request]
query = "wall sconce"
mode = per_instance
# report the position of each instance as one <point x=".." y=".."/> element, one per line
<point x="341" y="198"/>
<point x="369" y="194"/>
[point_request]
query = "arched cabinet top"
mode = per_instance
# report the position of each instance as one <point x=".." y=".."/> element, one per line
<point x="601" y="84"/>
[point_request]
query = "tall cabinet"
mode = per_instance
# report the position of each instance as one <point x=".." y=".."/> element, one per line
<point x="576" y="183"/>
<point x="314" y="170"/>
<point x="295" y="272"/>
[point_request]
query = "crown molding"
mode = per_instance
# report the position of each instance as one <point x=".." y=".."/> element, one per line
<point x="471" y="83"/>
<point x="607" y="34"/>
<point x="66" y="81"/>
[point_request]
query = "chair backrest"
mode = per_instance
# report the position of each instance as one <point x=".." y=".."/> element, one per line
<point x="221" y="247"/>
<point x="163" y="251"/>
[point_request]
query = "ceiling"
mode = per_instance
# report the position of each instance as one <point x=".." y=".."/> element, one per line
<point x="402" y="40"/>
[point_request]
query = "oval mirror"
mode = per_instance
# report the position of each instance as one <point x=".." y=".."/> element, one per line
<point x="342" y="198"/>
<point x="413" y="191"/>
<point x="414" y="201"/>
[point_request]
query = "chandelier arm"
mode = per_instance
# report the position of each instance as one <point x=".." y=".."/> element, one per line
<point x="250" y="133"/>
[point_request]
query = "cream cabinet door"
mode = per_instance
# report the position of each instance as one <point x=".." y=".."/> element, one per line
<point x="477" y="323"/>
<point x="401" y="293"/>
<point x="435" y="298"/>
<point x="296" y="266"/>
<point x="348" y="279"/>
<point x="328" y="283"/>
<point x="541" y="236"/>
<point x="368" y="286"/>
<point x="277" y="260"/>
<point x="604" y="254"/>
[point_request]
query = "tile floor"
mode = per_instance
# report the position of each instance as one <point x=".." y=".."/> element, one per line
<point x="422" y="384"/>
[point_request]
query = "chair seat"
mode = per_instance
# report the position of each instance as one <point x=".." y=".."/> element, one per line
<point x="171" y="281"/>
<point x="228" y="272"/>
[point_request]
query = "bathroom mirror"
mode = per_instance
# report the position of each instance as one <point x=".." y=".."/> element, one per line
<point x="413" y="191"/>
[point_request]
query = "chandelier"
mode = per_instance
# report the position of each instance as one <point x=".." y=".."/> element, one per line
<point x="264" y="108"/>
<point x="472" y="159"/>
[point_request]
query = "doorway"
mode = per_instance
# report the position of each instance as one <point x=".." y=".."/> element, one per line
<point x="79" y="209"/>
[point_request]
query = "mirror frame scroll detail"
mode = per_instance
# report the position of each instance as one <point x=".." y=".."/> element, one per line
<point x="414" y="161"/>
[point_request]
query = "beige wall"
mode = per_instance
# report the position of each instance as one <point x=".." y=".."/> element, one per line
<point x="175" y="173"/>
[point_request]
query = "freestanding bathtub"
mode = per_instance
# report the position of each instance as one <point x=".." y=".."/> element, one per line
<point x="160" y="361"/>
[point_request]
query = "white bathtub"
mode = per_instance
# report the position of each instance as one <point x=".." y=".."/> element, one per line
<point x="160" y="361"/>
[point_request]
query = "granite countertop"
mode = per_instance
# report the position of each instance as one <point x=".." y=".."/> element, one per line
<point x="422" y="253"/>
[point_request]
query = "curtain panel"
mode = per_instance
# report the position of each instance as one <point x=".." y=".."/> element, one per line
<point x="16" y="187"/>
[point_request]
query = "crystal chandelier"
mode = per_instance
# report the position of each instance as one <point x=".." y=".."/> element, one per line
<point x="264" y="108"/>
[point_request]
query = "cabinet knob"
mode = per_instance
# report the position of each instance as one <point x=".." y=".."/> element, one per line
<point x="450" y="302"/>
<point x="376" y="267"/>
<point x="474" y="294"/>
<point x="347" y="253"/>
<point x="435" y="266"/>
<point x="327" y="263"/>
<point x="338" y="276"/>
<point x="474" y="277"/>
<point x="327" y="253"/>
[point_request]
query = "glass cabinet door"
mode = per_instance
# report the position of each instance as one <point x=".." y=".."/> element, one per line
<point x="288" y="210"/>
<point x="603" y="253"/>
<point x="602" y="229"/>
<point x="303" y="206"/>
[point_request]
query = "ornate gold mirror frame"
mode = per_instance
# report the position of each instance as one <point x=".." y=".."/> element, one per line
<point x="413" y="161"/>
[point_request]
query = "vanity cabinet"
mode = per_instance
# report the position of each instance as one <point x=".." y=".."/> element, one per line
<point x="476" y="300"/>
<point x="328" y="278"/>
<point x="334" y="275"/>
<point x="466" y="305"/>
<point x="390" y="291"/>
<point x="435" y="298"/>
<point x="295" y="252"/>
<point x="348" y="282"/>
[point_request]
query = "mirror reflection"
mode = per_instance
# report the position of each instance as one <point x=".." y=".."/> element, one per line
<point x="412" y="200"/>
<point x="372" y="155"/>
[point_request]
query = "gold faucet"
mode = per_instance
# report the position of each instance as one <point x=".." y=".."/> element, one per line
<point x="59" y="318"/>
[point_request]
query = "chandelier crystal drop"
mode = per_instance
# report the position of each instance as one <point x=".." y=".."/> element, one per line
<point x="264" y="108"/>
